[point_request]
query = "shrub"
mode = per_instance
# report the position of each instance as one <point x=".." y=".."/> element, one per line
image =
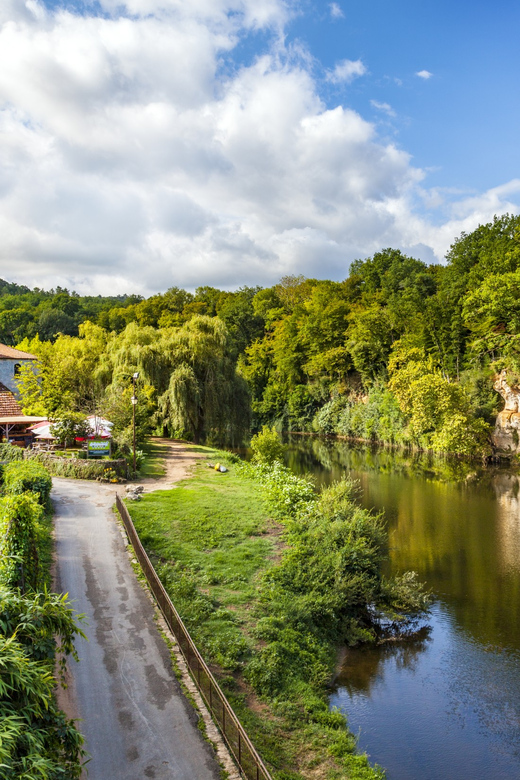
<point x="328" y="587"/>
<point x="28" y="476"/>
<point x="36" y="739"/>
<point x="266" y="446"/>
<point x="9" y="453"/>
<point x="286" y="493"/>
<point x="19" y="517"/>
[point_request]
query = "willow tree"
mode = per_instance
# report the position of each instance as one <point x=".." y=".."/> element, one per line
<point x="205" y="397"/>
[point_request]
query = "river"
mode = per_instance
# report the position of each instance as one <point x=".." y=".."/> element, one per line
<point x="445" y="706"/>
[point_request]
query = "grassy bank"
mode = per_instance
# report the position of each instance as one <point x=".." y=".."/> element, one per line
<point x="215" y="544"/>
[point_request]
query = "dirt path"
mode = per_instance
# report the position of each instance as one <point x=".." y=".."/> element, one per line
<point x="136" y="721"/>
<point x="177" y="462"/>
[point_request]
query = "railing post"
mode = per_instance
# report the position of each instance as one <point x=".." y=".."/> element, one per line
<point x="186" y="645"/>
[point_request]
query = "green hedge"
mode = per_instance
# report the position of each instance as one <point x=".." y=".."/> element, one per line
<point x="19" y="560"/>
<point x="27" y="477"/>
<point x="9" y="453"/>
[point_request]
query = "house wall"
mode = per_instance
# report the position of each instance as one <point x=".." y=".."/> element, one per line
<point x="7" y="376"/>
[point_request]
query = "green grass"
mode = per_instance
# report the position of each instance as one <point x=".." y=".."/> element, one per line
<point x="153" y="464"/>
<point x="214" y="528"/>
<point x="211" y="541"/>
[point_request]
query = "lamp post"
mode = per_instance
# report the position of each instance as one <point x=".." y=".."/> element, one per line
<point x="134" y="402"/>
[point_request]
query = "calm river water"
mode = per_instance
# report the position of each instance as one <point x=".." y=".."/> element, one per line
<point x="445" y="706"/>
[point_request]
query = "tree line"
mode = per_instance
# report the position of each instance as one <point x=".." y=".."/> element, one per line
<point x="400" y="351"/>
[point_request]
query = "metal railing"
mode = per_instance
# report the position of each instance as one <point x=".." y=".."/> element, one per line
<point x="243" y="750"/>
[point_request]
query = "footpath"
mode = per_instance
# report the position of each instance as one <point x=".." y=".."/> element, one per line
<point x="135" y="718"/>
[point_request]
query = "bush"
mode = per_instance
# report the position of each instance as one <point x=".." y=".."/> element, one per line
<point x="9" y="453"/>
<point x="286" y="493"/>
<point x="328" y="588"/>
<point x="28" y="477"/>
<point x="267" y="446"/>
<point x="36" y="739"/>
<point x="19" y="518"/>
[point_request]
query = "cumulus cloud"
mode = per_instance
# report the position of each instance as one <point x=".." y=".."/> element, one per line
<point x="386" y="108"/>
<point x="335" y="11"/>
<point x="346" y="71"/>
<point x="133" y="157"/>
<point x="424" y="74"/>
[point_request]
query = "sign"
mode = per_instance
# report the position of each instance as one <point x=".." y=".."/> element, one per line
<point x="97" y="449"/>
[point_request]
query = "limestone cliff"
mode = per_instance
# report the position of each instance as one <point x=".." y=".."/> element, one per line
<point x="506" y="436"/>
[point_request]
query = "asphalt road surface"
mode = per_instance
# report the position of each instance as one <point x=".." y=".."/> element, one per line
<point x="135" y="719"/>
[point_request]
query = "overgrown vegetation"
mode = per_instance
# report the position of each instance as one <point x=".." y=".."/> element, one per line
<point x="28" y="477"/>
<point x="271" y="578"/>
<point x="303" y="355"/>
<point x="76" y="467"/>
<point x="37" y="741"/>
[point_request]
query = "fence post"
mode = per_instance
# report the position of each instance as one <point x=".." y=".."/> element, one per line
<point x="186" y="645"/>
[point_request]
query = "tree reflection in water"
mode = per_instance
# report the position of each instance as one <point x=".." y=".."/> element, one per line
<point x="445" y="705"/>
<point x="364" y="666"/>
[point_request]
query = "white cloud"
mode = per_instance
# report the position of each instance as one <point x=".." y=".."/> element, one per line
<point x="346" y="71"/>
<point x="386" y="108"/>
<point x="132" y="160"/>
<point x="424" y="74"/>
<point x="335" y="11"/>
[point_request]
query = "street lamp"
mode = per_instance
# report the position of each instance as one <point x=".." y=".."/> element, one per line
<point x="134" y="402"/>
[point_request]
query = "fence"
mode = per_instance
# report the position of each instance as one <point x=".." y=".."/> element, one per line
<point x="243" y="750"/>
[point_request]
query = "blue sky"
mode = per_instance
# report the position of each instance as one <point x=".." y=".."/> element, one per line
<point x="151" y="143"/>
<point x="463" y="122"/>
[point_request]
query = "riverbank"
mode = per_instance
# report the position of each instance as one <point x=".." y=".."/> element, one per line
<point x="218" y="548"/>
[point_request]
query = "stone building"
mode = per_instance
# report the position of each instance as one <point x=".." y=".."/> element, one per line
<point x="11" y="361"/>
<point x="14" y="424"/>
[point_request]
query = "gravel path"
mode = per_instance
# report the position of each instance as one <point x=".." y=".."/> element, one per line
<point x="136" y="721"/>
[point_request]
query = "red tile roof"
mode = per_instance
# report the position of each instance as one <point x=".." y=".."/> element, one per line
<point x="9" y="406"/>
<point x="9" y="353"/>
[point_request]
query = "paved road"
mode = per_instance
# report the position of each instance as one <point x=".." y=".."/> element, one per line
<point x="136" y="721"/>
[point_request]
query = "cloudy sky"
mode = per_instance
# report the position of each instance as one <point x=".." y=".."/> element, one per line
<point x="152" y="143"/>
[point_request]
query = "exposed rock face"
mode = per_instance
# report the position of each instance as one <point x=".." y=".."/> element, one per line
<point x="506" y="436"/>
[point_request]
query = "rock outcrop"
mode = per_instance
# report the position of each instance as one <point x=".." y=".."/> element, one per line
<point x="506" y="436"/>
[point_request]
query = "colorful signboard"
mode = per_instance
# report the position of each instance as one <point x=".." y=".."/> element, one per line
<point x="97" y="449"/>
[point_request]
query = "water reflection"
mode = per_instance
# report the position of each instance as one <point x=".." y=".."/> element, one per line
<point x="363" y="668"/>
<point x="447" y="705"/>
<point x="445" y="709"/>
<point x="507" y="488"/>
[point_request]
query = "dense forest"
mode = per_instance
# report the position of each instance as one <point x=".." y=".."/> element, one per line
<point x="400" y="351"/>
